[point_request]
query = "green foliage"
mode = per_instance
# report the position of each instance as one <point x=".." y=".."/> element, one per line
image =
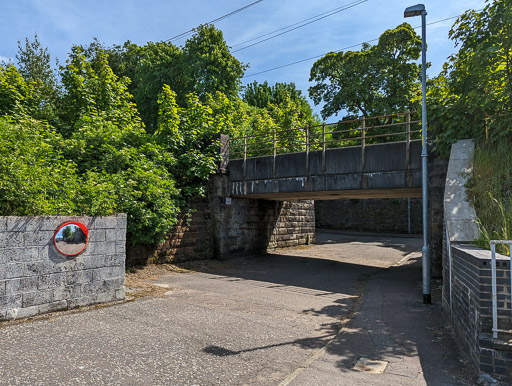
<point x="191" y="134"/>
<point x="101" y="163"/>
<point x="67" y="233"/>
<point x="34" y="65"/>
<point x="263" y="96"/>
<point x="490" y="191"/>
<point x="122" y="168"/>
<point x="17" y="96"/>
<point x="277" y="108"/>
<point x="94" y="90"/>
<point x="379" y="79"/>
<point x="472" y="97"/>
<point x="210" y="67"/>
<point x="204" y="66"/>
<point x="34" y="176"/>
<point x="80" y="147"/>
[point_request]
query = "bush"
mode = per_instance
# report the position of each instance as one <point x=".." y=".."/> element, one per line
<point x="98" y="159"/>
<point x="35" y="178"/>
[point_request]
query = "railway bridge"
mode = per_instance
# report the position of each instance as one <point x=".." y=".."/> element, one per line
<point x="377" y="157"/>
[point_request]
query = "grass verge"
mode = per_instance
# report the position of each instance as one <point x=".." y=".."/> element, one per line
<point x="490" y="192"/>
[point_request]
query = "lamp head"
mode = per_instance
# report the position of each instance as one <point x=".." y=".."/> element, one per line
<point x="415" y="10"/>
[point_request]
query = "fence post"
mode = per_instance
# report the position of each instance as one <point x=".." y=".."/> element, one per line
<point x="245" y="157"/>
<point x="363" y="145"/>
<point x="323" y="148"/>
<point x="307" y="150"/>
<point x="408" y="136"/>
<point x="494" y="291"/>
<point x="274" y="152"/>
<point x="408" y="146"/>
<point x="224" y="152"/>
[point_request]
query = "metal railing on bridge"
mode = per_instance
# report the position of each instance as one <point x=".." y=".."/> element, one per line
<point x="350" y="133"/>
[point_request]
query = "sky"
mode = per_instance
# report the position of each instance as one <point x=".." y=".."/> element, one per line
<point x="61" y="23"/>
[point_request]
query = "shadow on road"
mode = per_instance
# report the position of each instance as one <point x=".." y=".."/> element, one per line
<point x="377" y="312"/>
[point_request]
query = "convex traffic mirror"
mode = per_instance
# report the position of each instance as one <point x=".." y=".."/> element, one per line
<point x="71" y="238"/>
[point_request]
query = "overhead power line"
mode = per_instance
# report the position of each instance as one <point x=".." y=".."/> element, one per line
<point x="305" y="60"/>
<point x="327" y="13"/>
<point x="301" y="24"/>
<point x="341" y="49"/>
<point x="182" y="35"/>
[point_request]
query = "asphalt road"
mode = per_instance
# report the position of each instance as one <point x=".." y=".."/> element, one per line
<point x="301" y="316"/>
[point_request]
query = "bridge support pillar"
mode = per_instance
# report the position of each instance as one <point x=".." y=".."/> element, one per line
<point x="245" y="226"/>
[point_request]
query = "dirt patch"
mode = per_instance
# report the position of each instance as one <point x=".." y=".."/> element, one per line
<point x="138" y="279"/>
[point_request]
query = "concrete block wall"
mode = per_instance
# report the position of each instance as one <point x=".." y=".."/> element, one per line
<point x="35" y="278"/>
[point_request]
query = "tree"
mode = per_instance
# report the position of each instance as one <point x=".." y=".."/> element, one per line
<point x="34" y="65"/>
<point x="210" y="67"/>
<point x="379" y="79"/>
<point x="203" y="66"/>
<point x="97" y="159"/>
<point x="191" y="134"/>
<point x="16" y="95"/>
<point x="158" y="64"/>
<point x="121" y="167"/>
<point x="472" y="97"/>
<point x="263" y="96"/>
<point x="90" y="89"/>
<point x="67" y="233"/>
<point x="35" y="177"/>
<point x="148" y="68"/>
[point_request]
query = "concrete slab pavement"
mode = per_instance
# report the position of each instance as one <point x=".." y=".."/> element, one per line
<point x="394" y="327"/>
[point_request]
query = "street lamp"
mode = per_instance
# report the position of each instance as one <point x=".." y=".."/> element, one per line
<point x="419" y="10"/>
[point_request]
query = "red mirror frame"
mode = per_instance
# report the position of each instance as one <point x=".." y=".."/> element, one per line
<point x="82" y="227"/>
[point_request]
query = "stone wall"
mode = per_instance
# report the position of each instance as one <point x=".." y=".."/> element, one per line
<point x="221" y="227"/>
<point x="295" y="225"/>
<point x="369" y="215"/>
<point x="244" y="226"/>
<point x="35" y="278"/>
<point x="437" y="169"/>
<point x="191" y="239"/>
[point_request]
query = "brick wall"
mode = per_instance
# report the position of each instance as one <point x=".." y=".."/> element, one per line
<point x="35" y="278"/>
<point x="369" y="215"/>
<point x="470" y="308"/>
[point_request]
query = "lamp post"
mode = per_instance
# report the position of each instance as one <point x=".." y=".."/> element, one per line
<point x="419" y="10"/>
